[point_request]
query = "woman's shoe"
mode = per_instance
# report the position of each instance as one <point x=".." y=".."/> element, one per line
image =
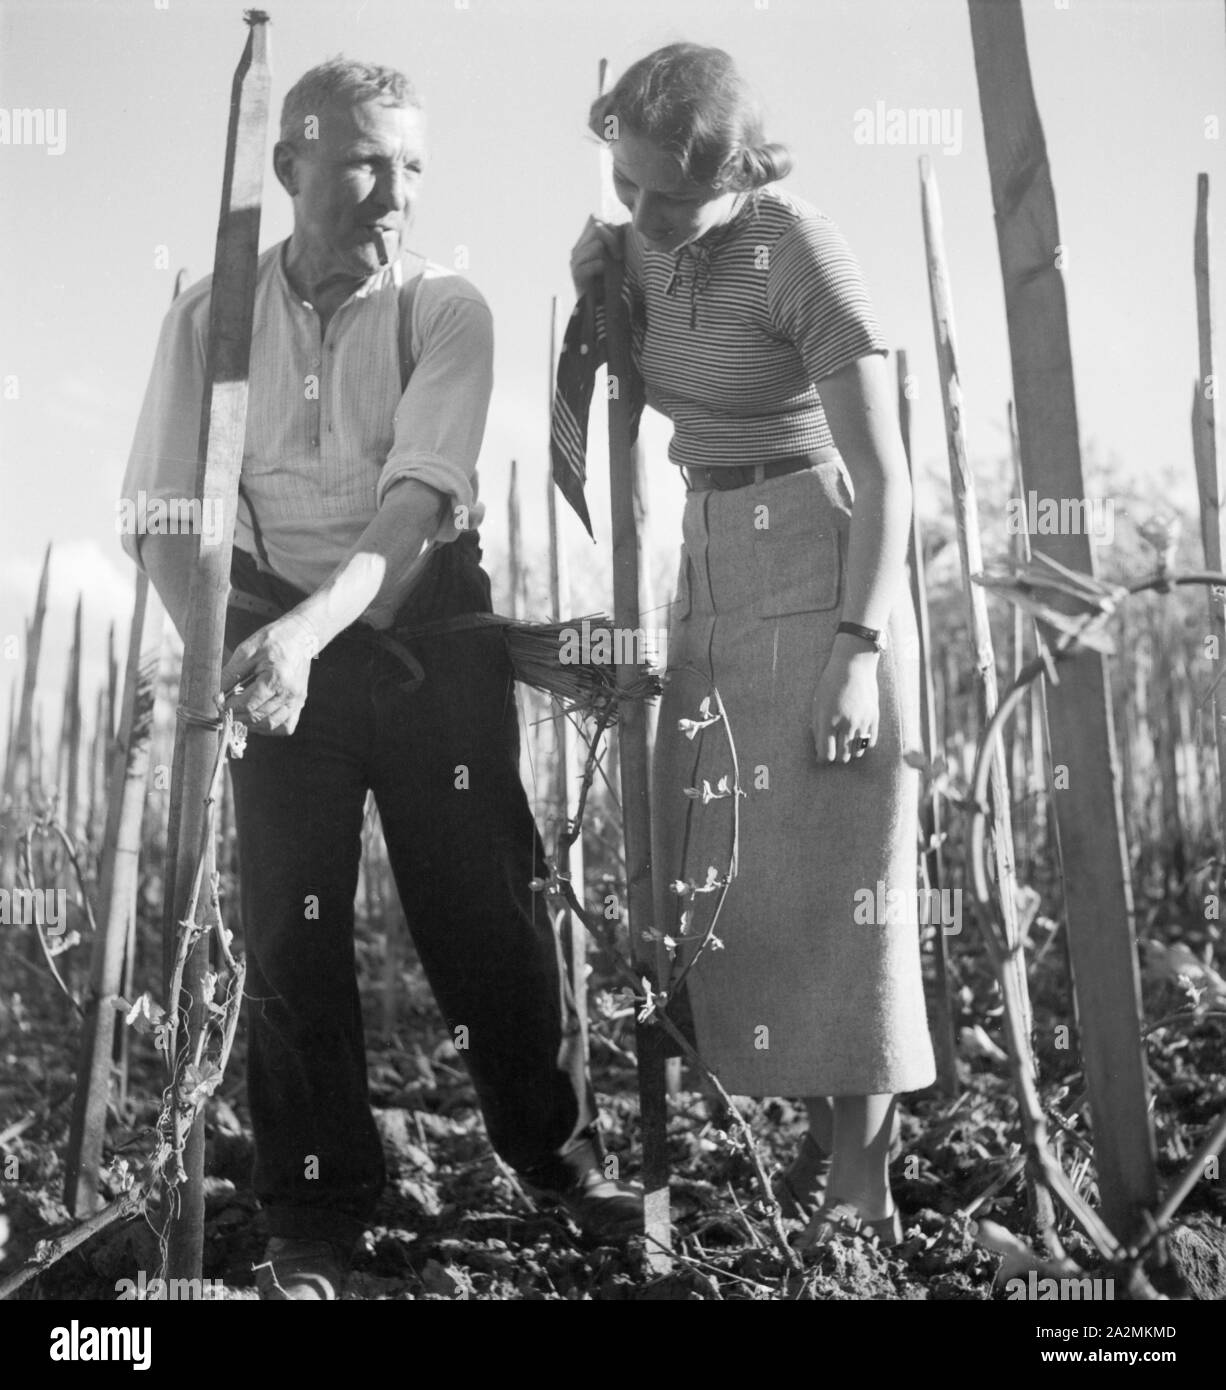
<point x="842" y="1219"/>
<point x="797" y="1196"/>
<point x="302" y="1271"/>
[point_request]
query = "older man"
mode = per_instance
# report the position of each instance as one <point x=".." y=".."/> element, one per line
<point x="370" y="382"/>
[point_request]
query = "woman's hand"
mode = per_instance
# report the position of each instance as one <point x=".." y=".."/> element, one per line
<point x="597" y="240"/>
<point x="845" y="705"/>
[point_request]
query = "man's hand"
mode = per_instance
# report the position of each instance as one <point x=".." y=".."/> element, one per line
<point x="273" y="668"/>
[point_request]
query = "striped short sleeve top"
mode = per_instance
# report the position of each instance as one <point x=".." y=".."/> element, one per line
<point x="732" y="331"/>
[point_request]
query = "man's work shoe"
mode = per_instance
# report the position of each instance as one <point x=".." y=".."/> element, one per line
<point x="301" y="1270"/>
<point x="602" y="1208"/>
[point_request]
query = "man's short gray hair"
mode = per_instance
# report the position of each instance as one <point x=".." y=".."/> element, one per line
<point x="346" y="80"/>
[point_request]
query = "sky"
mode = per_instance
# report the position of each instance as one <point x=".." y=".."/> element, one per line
<point x="125" y="191"/>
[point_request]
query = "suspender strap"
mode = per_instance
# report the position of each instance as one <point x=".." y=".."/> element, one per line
<point x="413" y="267"/>
<point x="256" y="533"/>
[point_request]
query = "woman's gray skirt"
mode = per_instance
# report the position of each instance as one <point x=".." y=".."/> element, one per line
<point x="816" y="988"/>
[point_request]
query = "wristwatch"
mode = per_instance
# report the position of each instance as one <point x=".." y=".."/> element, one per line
<point x="872" y="635"/>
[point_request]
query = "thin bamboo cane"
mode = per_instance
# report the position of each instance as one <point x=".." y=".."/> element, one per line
<point x="226" y="849"/>
<point x="515" y="605"/>
<point x="70" y="735"/>
<point x="38" y="753"/>
<point x="112" y="682"/>
<point x="1095" y="859"/>
<point x="1189" y="766"/>
<point x="566" y="757"/>
<point x="10" y="743"/>
<point x="1017" y="740"/>
<point x="98" y="748"/>
<point x="27" y="773"/>
<point x="223" y="423"/>
<point x="932" y="857"/>
<point x="527" y="701"/>
<point x="966" y="515"/>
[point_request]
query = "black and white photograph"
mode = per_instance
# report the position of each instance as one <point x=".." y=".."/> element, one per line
<point x="613" y="619"/>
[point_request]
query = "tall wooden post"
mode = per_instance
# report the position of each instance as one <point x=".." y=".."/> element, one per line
<point x="612" y="210"/>
<point x="1098" y="890"/>
<point x="932" y="858"/>
<point x="566" y="759"/>
<point x="1209" y="471"/>
<point x="966" y="516"/>
<point x="223" y="423"/>
<point x="121" y="846"/>
<point x="625" y="508"/>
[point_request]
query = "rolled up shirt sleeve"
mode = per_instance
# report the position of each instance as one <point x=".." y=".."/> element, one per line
<point x="162" y="463"/>
<point x="440" y="420"/>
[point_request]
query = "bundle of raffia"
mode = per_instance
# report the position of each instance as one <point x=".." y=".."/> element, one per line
<point x="571" y="660"/>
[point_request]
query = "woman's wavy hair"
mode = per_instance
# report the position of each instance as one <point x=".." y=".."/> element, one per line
<point x="692" y="102"/>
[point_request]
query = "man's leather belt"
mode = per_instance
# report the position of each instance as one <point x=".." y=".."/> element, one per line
<point x="727" y="477"/>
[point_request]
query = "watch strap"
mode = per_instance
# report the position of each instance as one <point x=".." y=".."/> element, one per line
<point x="872" y="635"/>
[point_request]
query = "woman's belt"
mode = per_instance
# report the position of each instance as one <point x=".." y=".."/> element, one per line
<point x="728" y="476"/>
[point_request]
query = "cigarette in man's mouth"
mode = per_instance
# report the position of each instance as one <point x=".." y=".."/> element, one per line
<point x="380" y="246"/>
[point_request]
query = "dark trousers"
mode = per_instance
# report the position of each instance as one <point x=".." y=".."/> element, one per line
<point x="442" y="761"/>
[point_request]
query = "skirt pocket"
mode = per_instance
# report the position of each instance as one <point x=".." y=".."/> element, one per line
<point x="800" y="527"/>
<point x="800" y="571"/>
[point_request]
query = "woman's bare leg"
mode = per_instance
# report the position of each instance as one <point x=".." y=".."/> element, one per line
<point x="860" y="1150"/>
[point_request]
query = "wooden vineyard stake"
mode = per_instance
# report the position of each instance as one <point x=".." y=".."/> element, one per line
<point x="566" y="759"/>
<point x="10" y="741"/>
<point x="112" y="669"/>
<point x="517" y="606"/>
<point x="515" y="557"/>
<point x="1164" y="726"/>
<point x="68" y="779"/>
<point x="932" y="859"/>
<point x="222" y="427"/>
<point x="26" y="772"/>
<point x="1209" y="475"/>
<point x="1015" y="730"/>
<point x="121" y="845"/>
<point x="612" y="210"/>
<point x="635" y="723"/>
<point x="1033" y="760"/>
<point x="99" y="746"/>
<point x="1097" y="883"/>
<point x="966" y="517"/>
<point x="632" y="745"/>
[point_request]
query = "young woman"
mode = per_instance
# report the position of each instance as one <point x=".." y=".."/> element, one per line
<point x="754" y="335"/>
